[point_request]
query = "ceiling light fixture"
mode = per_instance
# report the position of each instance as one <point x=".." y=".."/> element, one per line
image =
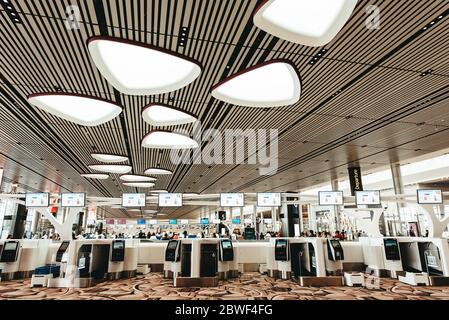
<point x="148" y="70"/>
<point x="109" y="158"/>
<point x="136" y="178"/>
<point x="311" y="23"/>
<point x="79" y="109"/>
<point x="95" y="176"/>
<point x="111" y="168"/>
<point x="165" y="115"/>
<point x="139" y="184"/>
<point x="161" y="139"/>
<point x="269" y="84"/>
<point x="159" y="191"/>
<point x="157" y="171"/>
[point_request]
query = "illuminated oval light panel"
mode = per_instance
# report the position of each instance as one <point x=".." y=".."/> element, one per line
<point x="111" y="168"/>
<point x="164" y="115"/>
<point x="307" y="22"/>
<point x="135" y="68"/>
<point x="139" y="184"/>
<point x="136" y="178"/>
<point x="157" y="171"/>
<point x="109" y="158"/>
<point x="269" y="84"/>
<point x="168" y="140"/>
<point x="79" y="109"/>
<point x="99" y="176"/>
<point x="159" y="191"/>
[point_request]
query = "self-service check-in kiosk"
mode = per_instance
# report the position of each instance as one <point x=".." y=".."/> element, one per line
<point x="226" y="257"/>
<point x="334" y="257"/>
<point x="9" y="259"/>
<point x="43" y="274"/>
<point x="172" y="265"/>
<point x="116" y="260"/>
<point x="381" y="256"/>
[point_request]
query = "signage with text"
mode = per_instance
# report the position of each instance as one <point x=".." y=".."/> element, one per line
<point x="232" y="199"/>
<point x="426" y="196"/>
<point x="367" y="197"/>
<point x="73" y="199"/>
<point x="170" y="199"/>
<point x="133" y="200"/>
<point x="268" y="199"/>
<point x="330" y="198"/>
<point x="37" y="199"/>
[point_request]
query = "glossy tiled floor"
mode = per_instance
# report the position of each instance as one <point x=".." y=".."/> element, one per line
<point x="248" y="286"/>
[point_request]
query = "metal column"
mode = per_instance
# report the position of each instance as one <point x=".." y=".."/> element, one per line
<point x="398" y="189"/>
<point x="334" y="184"/>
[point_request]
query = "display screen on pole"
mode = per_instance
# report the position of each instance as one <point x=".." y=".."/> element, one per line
<point x="268" y="199"/>
<point x="330" y="198"/>
<point x="172" y="221"/>
<point x="133" y="200"/>
<point x="152" y="222"/>
<point x="73" y="199"/>
<point x="367" y="197"/>
<point x="141" y="221"/>
<point x="37" y="199"/>
<point x="204" y="221"/>
<point x="170" y="199"/>
<point x="235" y="220"/>
<point x="427" y="196"/>
<point x="184" y="221"/>
<point x="110" y="221"/>
<point x="232" y="199"/>
<point x="121" y="221"/>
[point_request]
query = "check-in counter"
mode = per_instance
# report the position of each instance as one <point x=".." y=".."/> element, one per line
<point x="131" y="258"/>
<point x="152" y="254"/>
<point x="250" y="255"/>
<point x="33" y="255"/>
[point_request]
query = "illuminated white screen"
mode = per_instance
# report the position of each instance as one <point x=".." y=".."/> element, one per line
<point x="170" y="199"/>
<point x="133" y="200"/>
<point x="73" y="199"/>
<point x="430" y="196"/>
<point x="367" y="197"/>
<point x="232" y="200"/>
<point x="269" y="199"/>
<point x="37" y="199"/>
<point x="330" y="198"/>
<point x="184" y="221"/>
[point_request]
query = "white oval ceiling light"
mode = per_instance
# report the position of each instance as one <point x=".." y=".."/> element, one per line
<point x="111" y="168"/>
<point x="79" y="109"/>
<point x="109" y="158"/>
<point x="307" y="22"/>
<point x="147" y="70"/>
<point x="160" y="139"/>
<point x="136" y="178"/>
<point x="139" y="184"/>
<point x="269" y="84"/>
<point x="157" y="171"/>
<point x="159" y="191"/>
<point x="99" y="176"/>
<point x="165" y="115"/>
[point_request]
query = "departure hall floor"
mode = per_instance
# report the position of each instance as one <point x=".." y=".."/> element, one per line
<point x="250" y="286"/>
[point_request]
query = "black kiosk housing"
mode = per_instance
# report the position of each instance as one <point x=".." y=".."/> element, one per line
<point x="334" y="250"/>
<point x="281" y="250"/>
<point x="61" y="250"/>
<point x="391" y="249"/>
<point x="118" y="251"/>
<point x="10" y="251"/>
<point x="226" y="250"/>
<point x="172" y="251"/>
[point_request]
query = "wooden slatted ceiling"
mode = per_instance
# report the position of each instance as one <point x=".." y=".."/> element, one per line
<point x="380" y="68"/>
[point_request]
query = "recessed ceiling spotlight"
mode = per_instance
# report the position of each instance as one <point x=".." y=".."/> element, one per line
<point x="157" y="171"/>
<point x="160" y="139"/>
<point x="136" y="178"/>
<point x="148" y="70"/>
<point x="139" y="184"/>
<point x="165" y="115"/>
<point x="269" y="84"/>
<point x="95" y="176"/>
<point x="311" y="23"/>
<point x="107" y="157"/>
<point x="111" y="168"/>
<point x="79" y="109"/>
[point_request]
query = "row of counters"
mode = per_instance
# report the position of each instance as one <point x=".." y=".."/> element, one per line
<point x="80" y="263"/>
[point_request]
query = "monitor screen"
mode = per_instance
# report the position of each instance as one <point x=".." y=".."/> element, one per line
<point x="330" y="198"/>
<point x="281" y="243"/>
<point x="426" y="196"/>
<point x="226" y="244"/>
<point x="10" y="246"/>
<point x="133" y="200"/>
<point x="172" y="221"/>
<point x="118" y="245"/>
<point x="64" y="245"/>
<point x="172" y="245"/>
<point x="184" y="221"/>
<point x="37" y="199"/>
<point x="204" y="221"/>
<point x="232" y="199"/>
<point x="170" y="199"/>
<point x="110" y="221"/>
<point x="73" y="199"/>
<point x="121" y="221"/>
<point x="141" y="221"/>
<point x="152" y="222"/>
<point x="367" y="197"/>
<point x="336" y="244"/>
<point x="235" y="220"/>
<point x="268" y="221"/>
<point x="269" y="199"/>
<point x="216" y="221"/>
